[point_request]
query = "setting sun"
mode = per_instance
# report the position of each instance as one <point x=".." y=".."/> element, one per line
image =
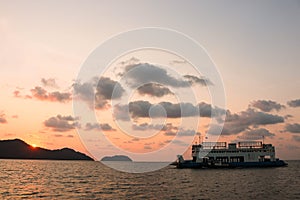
<point x="33" y="145"/>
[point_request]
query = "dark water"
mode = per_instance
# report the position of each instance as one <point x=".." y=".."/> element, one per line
<point x="91" y="180"/>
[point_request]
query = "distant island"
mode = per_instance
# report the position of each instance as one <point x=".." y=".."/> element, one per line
<point x="116" y="158"/>
<point x="18" y="149"/>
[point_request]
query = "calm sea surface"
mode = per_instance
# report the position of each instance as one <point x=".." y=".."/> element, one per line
<point x="36" y="179"/>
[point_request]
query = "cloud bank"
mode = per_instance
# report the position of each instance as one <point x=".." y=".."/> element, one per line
<point x="294" y="103"/>
<point x="267" y="105"/>
<point x="61" y="123"/>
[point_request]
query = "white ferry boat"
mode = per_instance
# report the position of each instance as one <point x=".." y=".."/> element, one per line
<point x="241" y="154"/>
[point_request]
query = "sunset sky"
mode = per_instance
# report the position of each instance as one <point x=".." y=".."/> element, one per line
<point x="254" y="44"/>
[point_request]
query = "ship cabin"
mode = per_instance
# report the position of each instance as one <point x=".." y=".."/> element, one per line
<point x="246" y="151"/>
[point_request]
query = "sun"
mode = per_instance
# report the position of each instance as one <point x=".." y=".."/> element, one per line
<point x="33" y="145"/>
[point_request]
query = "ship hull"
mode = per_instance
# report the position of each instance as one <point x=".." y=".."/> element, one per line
<point x="196" y="165"/>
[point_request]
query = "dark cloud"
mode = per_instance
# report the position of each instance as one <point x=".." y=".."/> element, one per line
<point x="140" y="73"/>
<point x="179" y="110"/>
<point x="288" y="116"/>
<point x="187" y="132"/>
<point x="227" y="129"/>
<point x="106" y="90"/>
<point x="207" y="110"/>
<point x="255" y="134"/>
<point x="61" y="123"/>
<point x="267" y="105"/>
<point x="294" y="103"/>
<point x="293" y="128"/>
<point x="168" y="129"/>
<point x="139" y="109"/>
<point x="41" y="94"/>
<point x="153" y="89"/>
<point x="84" y="91"/>
<point x="296" y="138"/>
<point x="50" y="82"/>
<point x="146" y="126"/>
<point x="145" y="73"/>
<point x="97" y="126"/>
<point x="237" y="123"/>
<point x="253" y="117"/>
<point x="198" y="80"/>
<point x="101" y="92"/>
<point x="2" y="119"/>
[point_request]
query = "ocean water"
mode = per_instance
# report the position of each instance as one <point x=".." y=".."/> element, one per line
<point x="41" y="179"/>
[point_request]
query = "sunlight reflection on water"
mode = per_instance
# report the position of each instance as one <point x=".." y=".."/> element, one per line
<point x="88" y="180"/>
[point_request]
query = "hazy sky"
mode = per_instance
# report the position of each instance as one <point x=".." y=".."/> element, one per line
<point x="254" y="44"/>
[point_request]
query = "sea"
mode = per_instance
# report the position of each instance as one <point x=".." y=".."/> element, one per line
<point x="42" y="179"/>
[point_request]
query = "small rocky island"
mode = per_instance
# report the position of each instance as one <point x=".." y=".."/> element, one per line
<point x="116" y="158"/>
<point x="18" y="149"/>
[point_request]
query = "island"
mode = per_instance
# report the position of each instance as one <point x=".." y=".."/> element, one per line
<point x="116" y="158"/>
<point x="18" y="149"/>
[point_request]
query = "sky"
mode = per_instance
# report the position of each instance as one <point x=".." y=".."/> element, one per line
<point x="254" y="46"/>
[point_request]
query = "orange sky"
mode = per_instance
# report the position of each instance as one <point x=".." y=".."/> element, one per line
<point x="254" y="46"/>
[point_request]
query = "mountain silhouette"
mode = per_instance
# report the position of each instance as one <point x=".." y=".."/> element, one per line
<point x="18" y="149"/>
<point x="116" y="158"/>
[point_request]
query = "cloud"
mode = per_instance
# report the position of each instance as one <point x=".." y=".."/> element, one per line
<point x="255" y="134"/>
<point x="146" y="126"/>
<point x="253" y="117"/>
<point x="41" y="94"/>
<point x="180" y="143"/>
<point x="61" y="123"/>
<point x="207" y="110"/>
<point x="198" y="80"/>
<point x="97" y="126"/>
<point x="168" y="129"/>
<point x="84" y="91"/>
<point x="2" y="119"/>
<point x="60" y="135"/>
<point x="293" y="128"/>
<point x="101" y="92"/>
<point x="181" y="132"/>
<point x="237" y="123"/>
<point x="140" y="109"/>
<point x="17" y="94"/>
<point x="145" y="73"/>
<point x="50" y="82"/>
<point x="140" y="73"/>
<point x="296" y="138"/>
<point x="107" y="89"/>
<point x="153" y="89"/>
<point x="294" y="103"/>
<point x="267" y="106"/>
<point x="178" y="62"/>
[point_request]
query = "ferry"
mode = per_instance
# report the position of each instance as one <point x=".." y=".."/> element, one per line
<point x="234" y="155"/>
